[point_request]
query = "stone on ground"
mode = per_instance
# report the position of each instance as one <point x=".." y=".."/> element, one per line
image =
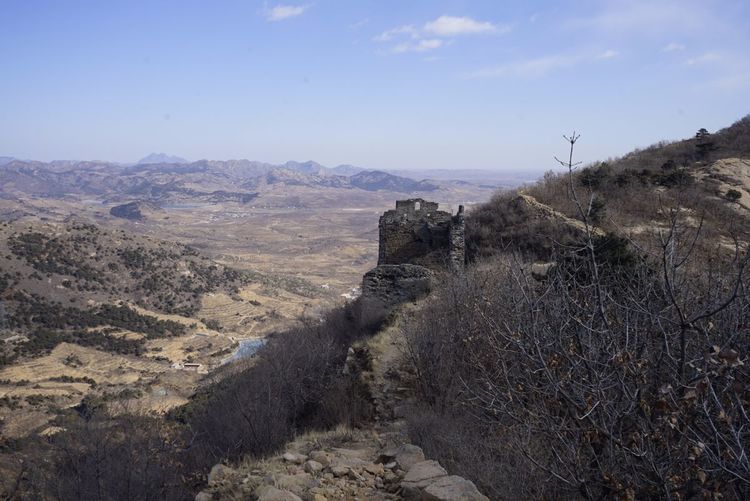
<point x="313" y="467"/>
<point x="294" y="457"/>
<point x="271" y="493"/>
<point x="420" y="475"/>
<point x="452" y="488"/>
<point x="405" y="456"/>
<point x="321" y="457"/>
<point x="219" y="472"/>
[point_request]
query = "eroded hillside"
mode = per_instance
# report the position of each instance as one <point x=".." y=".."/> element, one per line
<point x="112" y="316"/>
<point x="614" y="368"/>
<point x="700" y="181"/>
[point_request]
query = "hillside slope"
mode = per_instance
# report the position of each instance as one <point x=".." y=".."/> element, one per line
<point x="606" y="354"/>
<point x="94" y="313"/>
<point x="202" y="180"/>
<point x="595" y="347"/>
<point x="637" y="195"/>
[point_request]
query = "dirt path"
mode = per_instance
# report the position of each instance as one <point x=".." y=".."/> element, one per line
<point x="375" y="463"/>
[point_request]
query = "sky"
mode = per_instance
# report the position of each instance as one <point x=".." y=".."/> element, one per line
<point x="386" y="84"/>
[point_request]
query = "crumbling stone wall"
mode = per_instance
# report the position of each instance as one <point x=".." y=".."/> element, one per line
<point x="388" y="285"/>
<point x="457" y="251"/>
<point x="416" y="232"/>
<point x="415" y="238"/>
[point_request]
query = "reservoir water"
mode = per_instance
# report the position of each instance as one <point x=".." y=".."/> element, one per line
<point x="247" y="348"/>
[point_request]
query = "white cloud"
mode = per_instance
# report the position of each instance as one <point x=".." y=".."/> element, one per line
<point x="608" y="54"/>
<point x="528" y="68"/>
<point x="721" y="71"/>
<point x="359" y="24"/>
<point x="541" y="66"/>
<point x="434" y="34"/>
<point x="707" y="58"/>
<point x="673" y="47"/>
<point x="418" y="46"/>
<point x="281" y="12"/>
<point x="389" y="35"/>
<point x="647" y="17"/>
<point x="451" y="26"/>
<point x="731" y="83"/>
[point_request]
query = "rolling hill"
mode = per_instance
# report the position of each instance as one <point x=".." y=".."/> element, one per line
<point x="162" y="181"/>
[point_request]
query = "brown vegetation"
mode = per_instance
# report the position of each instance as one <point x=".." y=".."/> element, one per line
<point x="632" y="195"/>
<point x="620" y="374"/>
<point x="294" y="384"/>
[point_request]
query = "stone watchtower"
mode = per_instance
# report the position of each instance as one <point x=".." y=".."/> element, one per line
<point x="415" y="239"/>
<point x="416" y="232"/>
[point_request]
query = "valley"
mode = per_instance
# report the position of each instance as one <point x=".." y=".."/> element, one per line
<point x="224" y="271"/>
<point x="144" y="299"/>
<point x="321" y="251"/>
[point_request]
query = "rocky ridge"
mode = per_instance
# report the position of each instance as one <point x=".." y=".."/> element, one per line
<point x="379" y="462"/>
<point x="375" y="463"/>
<point x="158" y="181"/>
<point x="133" y="210"/>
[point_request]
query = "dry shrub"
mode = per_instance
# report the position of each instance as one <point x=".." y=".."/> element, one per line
<point x="127" y="457"/>
<point x="629" y="382"/>
<point x="480" y="453"/>
<point x="631" y="193"/>
<point x="498" y="225"/>
<point x="296" y="384"/>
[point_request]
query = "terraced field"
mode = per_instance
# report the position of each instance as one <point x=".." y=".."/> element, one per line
<point x="223" y="271"/>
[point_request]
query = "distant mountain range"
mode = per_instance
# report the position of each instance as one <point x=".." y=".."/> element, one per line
<point x="252" y="167"/>
<point x="161" y="158"/>
<point x="161" y="178"/>
<point x="209" y="180"/>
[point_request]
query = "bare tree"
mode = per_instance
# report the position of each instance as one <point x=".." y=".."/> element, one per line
<point x="612" y="377"/>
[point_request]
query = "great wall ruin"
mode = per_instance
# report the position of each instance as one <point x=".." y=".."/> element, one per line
<point x="416" y="241"/>
<point x="417" y="232"/>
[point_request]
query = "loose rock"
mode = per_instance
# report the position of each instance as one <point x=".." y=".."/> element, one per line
<point x="219" y="472"/>
<point x="293" y="457"/>
<point x="452" y="488"/>
<point x="339" y="471"/>
<point x="405" y="456"/>
<point x="420" y="476"/>
<point x="321" y="457"/>
<point x="313" y="467"/>
<point x="271" y="493"/>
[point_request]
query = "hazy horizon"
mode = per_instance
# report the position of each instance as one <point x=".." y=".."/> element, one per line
<point x="382" y="85"/>
<point x="364" y="167"/>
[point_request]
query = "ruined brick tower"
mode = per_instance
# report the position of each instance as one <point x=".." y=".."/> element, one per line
<point x="416" y="239"/>
<point x="416" y="232"/>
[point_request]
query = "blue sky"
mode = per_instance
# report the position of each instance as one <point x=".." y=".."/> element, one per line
<point x="381" y="84"/>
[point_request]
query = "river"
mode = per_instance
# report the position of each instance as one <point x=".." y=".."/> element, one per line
<point x="247" y="348"/>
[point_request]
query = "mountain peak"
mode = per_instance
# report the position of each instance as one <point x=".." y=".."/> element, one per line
<point x="161" y="158"/>
<point x="310" y="167"/>
<point x="374" y="180"/>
